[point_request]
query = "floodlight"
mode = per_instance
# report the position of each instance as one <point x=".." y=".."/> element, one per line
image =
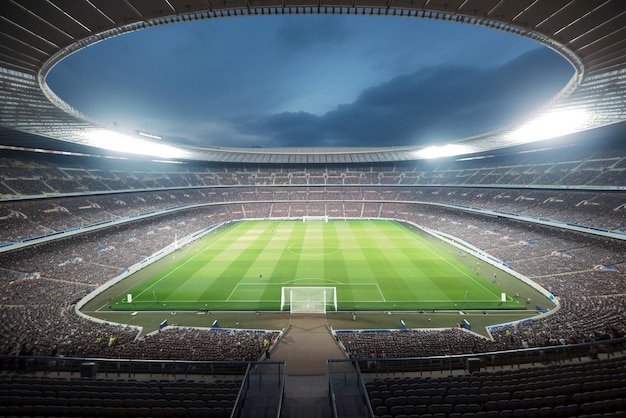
<point x="551" y="125"/>
<point x="116" y="141"/>
<point x="438" y="151"/>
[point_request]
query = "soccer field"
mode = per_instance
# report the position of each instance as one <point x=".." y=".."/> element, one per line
<point x="372" y="265"/>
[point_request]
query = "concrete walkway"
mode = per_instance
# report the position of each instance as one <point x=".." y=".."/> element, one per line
<point x="305" y="347"/>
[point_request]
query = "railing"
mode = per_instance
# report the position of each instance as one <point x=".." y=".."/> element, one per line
<point x="263" y="385"/>
<point x="241" y="395"/>
<point x="121" y="368"/>
<point x="346" y="387"/>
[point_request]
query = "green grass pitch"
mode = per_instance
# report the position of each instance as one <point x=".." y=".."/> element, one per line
<point x="374" y="265"/>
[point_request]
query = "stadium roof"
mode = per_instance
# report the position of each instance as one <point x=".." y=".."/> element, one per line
<point x="36" y="34"/>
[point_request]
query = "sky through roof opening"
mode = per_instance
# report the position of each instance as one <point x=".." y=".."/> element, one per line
<point x="311" y="81"/>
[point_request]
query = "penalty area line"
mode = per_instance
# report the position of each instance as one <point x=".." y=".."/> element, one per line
<point x="381" y="293"/>
<point x="231" y="293"/>
<point x="191" y="258"/>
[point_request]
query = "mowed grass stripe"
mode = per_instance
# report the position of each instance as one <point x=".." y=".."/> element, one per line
<point x="311" y="262"/>
<point x="394" y="254"/>
<point x="284" y="263"/>
<point x="358" y="268"/>
<point x="373" y="265"/>
<point x="382" y="261"/>
<point x="414" y="278"/>
<point x="285" y="271"/>
<point x="449" y="278"/>
<point x="412" y="246"/>
<point x="354" y="258"/>
<point x="267" y="252"/>
<point x="180" y="274"/>
<point x="460" y="278"/>
<point x="200" y="275"/>
<point x="234" y="262"/>
<point x="335" y="269"/>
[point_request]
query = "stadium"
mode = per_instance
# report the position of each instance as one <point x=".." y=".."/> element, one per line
<point x="483" y="278"/>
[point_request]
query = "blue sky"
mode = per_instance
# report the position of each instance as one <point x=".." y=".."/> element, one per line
<point x="328" y="80"/>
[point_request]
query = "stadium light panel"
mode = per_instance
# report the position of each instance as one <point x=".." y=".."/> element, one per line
<point x="438" y="151"/>
<point x="551" y="125"/>
<point x="116" y="141"/>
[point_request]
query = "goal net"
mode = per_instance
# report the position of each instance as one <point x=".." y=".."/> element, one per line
<point x="311" y="218"/>
<point x="308" y="299"/>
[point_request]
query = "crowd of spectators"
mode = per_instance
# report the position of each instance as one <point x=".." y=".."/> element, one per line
<point x="40" y="284"/>
<point x="197" y="345"/>
<point x="30" y="174"/>
<point x="416" y="343"/>
<point x="23" y="219"/>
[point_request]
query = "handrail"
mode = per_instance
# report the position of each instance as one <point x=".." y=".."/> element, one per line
<point x="241" y="395"/>
<point x="129" y="367"/>
<point x="331" y="393"/>
<point x="369" y="412"/>
<point x="368" y="405"/>
<point x="283" y="383"/>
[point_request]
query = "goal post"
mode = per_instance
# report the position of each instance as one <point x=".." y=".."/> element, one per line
<point x="308" y="299"/>
<point x="313" y="218"/>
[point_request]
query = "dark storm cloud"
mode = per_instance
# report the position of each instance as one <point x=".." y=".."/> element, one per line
<point x="429" y="105"/>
